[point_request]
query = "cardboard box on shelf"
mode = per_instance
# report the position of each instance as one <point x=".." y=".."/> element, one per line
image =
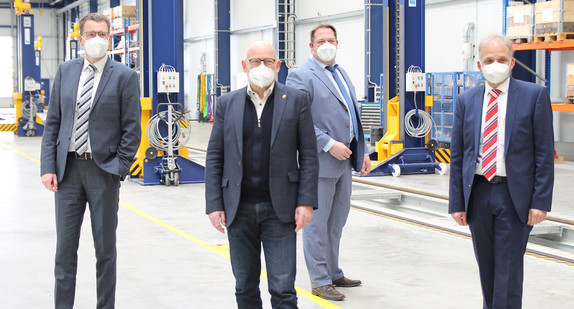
<point x="124" y="11"/>
<point x="520" y="21"/>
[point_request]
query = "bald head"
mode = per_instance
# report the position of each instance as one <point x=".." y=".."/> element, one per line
<point x="260" y="48"/>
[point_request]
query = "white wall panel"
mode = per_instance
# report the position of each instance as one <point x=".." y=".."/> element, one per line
<point x="247" y="14"/>
<point x="199" y="18"/>
<point x="317" y="8"/>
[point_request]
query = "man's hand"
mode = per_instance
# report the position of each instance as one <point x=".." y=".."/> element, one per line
<point x="340" y="151"/>
<point x="459" y="217"/>
<point x="536" y="216"/>
<point x="366" y="169"/>
<point x="217" y="219"/>
<point x="50" y="181"/>
<point x="303" y="215"/>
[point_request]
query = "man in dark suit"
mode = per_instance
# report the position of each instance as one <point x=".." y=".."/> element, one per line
<point x="261" y="177"/>
<point x="341" y="147"/>
<point x="92" y="134"/>
<point x="502" y="170"/>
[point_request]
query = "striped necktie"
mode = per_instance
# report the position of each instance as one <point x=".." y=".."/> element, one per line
<point x="490" y="136"/>
<point x="83" y="106"/>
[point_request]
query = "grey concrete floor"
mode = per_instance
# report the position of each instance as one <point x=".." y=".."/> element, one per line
<point x="169" y="256"/>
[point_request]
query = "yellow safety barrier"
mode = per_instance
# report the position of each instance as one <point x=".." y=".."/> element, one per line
<point x="390" y="143"/>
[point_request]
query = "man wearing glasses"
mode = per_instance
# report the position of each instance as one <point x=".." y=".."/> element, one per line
<point x="341" y="147"/>
<point x="91" y="137"/>
<point x="261" y="178"/>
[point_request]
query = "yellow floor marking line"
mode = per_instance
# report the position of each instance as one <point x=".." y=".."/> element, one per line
<point x="20" y="153"/>
<point x="221" y="250"/>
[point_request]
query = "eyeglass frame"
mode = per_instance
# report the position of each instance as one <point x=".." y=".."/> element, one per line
<point x="271" y="65"/>
<point x="102" y="35"/>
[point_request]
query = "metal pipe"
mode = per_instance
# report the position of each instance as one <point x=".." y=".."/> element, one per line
<point x="467" y="38"/>
<point x="290" y="61"/>
<point x="530" y="70"/>
<point x="314" y="20"/>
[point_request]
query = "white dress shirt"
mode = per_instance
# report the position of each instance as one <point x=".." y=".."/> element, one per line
<point x="502" y="103"/>
<point x="97" y="76"/>
<point x="259" y="103"/>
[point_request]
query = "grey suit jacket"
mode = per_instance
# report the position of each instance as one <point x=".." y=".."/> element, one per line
<point x="330" y="116"/>
<point x="293" y="165"/>
<point x="114" y="125"/>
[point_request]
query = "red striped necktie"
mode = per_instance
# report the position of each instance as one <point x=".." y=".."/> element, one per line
<point x="490" y="136"/>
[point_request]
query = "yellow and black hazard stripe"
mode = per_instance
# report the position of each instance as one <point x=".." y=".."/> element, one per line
<point x="137" y="170"/>
<point x="7" y="127"/>
<point x="442" y="155"/>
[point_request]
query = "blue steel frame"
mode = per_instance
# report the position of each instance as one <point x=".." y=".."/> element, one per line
<point x="281" y="17"/>
<point x="223" y="46"/>
<point x="374" y="54"/>
<point x="166" y="47"/>
<point x="29" y="64"/>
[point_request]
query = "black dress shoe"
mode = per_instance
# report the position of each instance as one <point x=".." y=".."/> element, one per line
<point x="328" y="292"/>
<point x="346" y="282"/>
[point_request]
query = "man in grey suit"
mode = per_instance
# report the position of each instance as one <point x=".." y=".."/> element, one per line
<point x="341" y="146"/>
<point x="261" y="177"/>
<point x="91" y="137"/>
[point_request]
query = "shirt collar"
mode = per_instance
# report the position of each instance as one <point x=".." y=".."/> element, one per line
<point x="502" y="87"/>
<point x="252" y="94"/>
<point x="321" y="64"/>
<point x="100" y="64"/>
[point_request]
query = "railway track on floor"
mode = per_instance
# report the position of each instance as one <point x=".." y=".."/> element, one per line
<point x="397" y="216"/>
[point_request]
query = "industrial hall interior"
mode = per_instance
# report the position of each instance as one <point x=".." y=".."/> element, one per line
<point x="357" y="154"/>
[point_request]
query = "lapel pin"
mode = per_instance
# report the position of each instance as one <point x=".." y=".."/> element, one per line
<point x="284" y="96"/>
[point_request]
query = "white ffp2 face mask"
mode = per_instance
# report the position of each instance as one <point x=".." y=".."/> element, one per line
<point x="261" y="76"/>
<point x="495" y="72"/>
<point x="96" y="47"/>
<point x="327" y="52"/>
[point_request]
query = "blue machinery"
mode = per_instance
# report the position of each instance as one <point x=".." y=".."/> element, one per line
<point x="29" y="99"/>
<point x="397" y="20"/>
<point x="158" y="166"/>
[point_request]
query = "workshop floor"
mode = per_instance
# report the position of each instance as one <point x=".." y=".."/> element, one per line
<point x="169" y="255"/>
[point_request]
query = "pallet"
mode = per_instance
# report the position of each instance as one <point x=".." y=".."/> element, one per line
<point x="550" y="37"/>
<point x="569" y="100"/>
<point x="521" y="40"/>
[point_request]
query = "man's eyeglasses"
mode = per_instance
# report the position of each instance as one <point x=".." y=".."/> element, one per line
<point x="91" y="34"/>
<point x="255" y="62"/>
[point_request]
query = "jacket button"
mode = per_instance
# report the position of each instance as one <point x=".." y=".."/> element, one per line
<point x="239" y="163"/>
<point x="239" y="184"/>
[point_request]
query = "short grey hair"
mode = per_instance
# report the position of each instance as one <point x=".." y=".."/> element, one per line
<point x="494" y="37"/>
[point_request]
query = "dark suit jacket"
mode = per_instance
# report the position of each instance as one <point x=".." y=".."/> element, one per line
<point x="115" y="116"/>
<point x="293" y="165"/>
<point x="529" y="144"/>
<point x="330" y="116"/>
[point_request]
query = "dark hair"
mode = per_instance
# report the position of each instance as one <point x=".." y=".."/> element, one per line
<point x="97" y="17"/>
<point x="326" y="26"/>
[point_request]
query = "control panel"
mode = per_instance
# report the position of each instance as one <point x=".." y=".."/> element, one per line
<point x="416" y="82"/>
<point x="167" y="82"/>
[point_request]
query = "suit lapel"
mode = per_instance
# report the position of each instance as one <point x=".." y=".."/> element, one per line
<point x="320" y="73"/>
<point x="108" y="68"/>
<point x="74" y="78"/>
<point x="238" y="109"/>
<point x="279" y="102"/>
<point x="511" y="105"/>
<point x="477" y="105"/>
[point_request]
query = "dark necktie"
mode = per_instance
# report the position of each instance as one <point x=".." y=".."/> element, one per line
<point x="350" y="104"/>
<point x="490" y="136"/>
<point x="83" y="105"/>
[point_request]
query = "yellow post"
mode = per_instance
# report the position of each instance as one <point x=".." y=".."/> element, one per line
<point x="390" y="143"/>
<point x="137" y="167"/>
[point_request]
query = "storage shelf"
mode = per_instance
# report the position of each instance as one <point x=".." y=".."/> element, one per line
<point x="552" y="45"/>
<point x="563" y="107"/>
